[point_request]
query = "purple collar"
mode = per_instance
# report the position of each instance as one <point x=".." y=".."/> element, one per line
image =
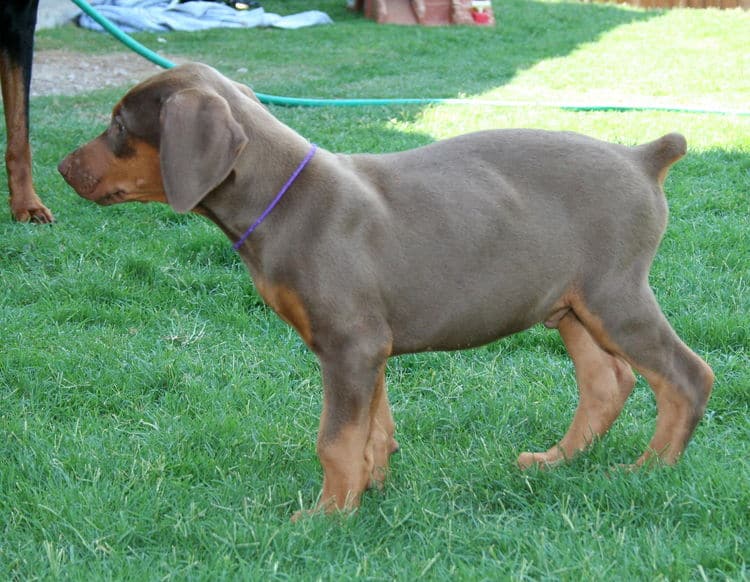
<point x="236" y="246"/>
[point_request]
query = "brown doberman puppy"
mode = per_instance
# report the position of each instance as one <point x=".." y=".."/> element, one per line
<point x="444" y="247"/>
<point x="17" y="22"/>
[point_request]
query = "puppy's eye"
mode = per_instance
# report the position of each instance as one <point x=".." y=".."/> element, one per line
<point x="116" y="128"/>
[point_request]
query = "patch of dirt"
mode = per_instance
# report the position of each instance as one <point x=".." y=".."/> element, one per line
<point x="62" y="72"/>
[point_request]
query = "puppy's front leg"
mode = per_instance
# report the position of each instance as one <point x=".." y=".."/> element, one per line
<point x="356" y="427"/>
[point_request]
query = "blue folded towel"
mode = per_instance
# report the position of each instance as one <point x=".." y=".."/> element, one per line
<point x="165" y="15"/>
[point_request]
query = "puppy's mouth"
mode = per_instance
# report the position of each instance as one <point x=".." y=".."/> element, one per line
<point x="111" y="198"/>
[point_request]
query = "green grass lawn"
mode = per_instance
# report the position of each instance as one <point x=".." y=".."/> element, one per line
<point x="158" y="421"/>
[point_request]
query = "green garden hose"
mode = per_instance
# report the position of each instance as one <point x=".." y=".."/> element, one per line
<point x="137" y="47"/>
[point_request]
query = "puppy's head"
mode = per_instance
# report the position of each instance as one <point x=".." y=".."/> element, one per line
<point x="172" y="138"/>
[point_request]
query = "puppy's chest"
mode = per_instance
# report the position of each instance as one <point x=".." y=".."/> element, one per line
<point x="288" y="304"/>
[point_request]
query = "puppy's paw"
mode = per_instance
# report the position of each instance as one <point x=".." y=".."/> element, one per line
<point x="540" y="460"/>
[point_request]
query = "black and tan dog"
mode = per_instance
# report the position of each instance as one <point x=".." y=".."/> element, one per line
<point x="444" y="247"/>
<point x="17" y="22"/>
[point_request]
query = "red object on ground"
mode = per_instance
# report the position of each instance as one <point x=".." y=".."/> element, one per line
<point x="481" y="17"/>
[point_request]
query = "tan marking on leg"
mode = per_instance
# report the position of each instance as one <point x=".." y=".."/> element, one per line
<point x="355" y="438"/>
<point x="358" y="456"/>
<point x="25" y="205"/>
<point x="677" y="415"/>
<point x="604" y="384"/>
<point x="680" y="402"/>
<point x="346" y="468"/>
<point x="380" y="444"/>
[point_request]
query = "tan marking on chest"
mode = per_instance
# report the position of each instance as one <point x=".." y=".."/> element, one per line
<point x="288" y="305"/>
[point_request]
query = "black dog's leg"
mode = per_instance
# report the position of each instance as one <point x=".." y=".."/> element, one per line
<point x="17" y="23"/>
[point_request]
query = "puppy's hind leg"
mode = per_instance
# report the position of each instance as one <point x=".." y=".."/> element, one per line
<point x="631" y="325"/>
<point x="604" y="384"/>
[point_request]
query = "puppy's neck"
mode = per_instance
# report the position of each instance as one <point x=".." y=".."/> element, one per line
<point x="246" y="195"/>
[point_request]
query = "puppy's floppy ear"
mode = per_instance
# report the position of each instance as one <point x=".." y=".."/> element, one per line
<point x="200" y="143"/>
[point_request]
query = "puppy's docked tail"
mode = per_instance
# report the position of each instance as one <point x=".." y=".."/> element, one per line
<point x="657" y="156"/>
